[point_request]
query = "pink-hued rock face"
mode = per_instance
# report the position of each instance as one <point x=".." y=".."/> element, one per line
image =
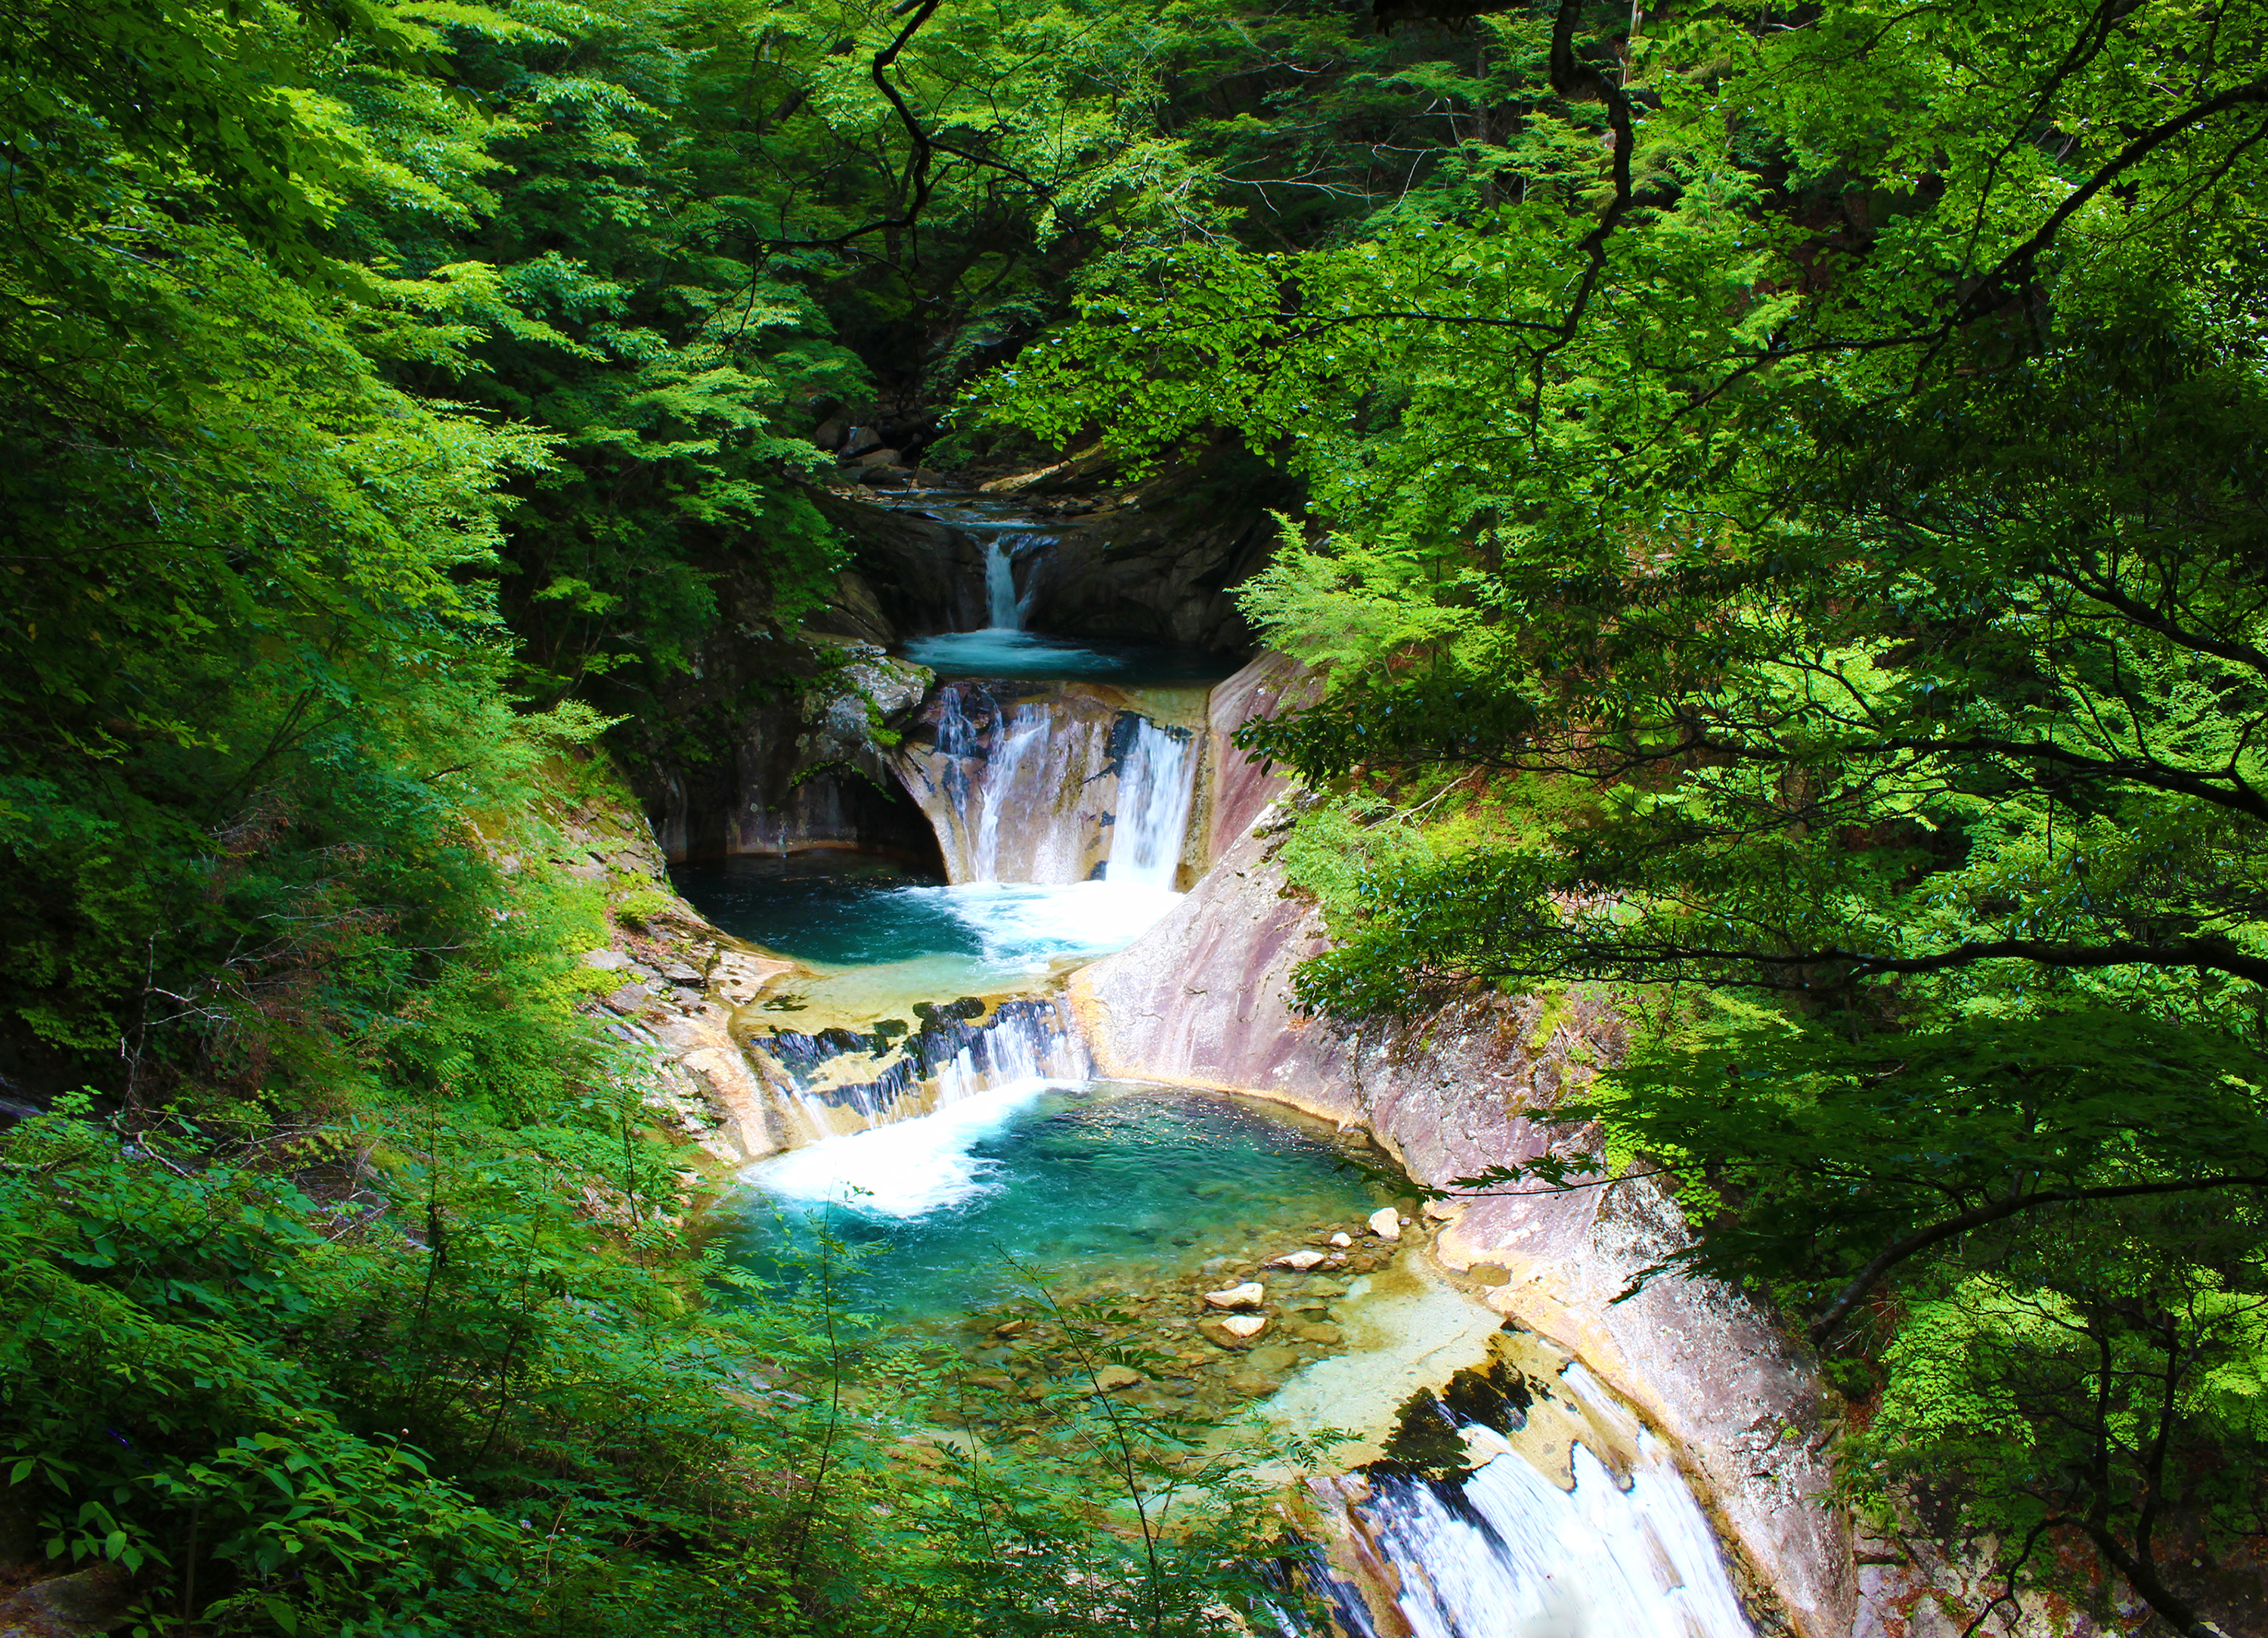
<point x="1203" y="999"/>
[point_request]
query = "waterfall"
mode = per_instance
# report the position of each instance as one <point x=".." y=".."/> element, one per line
<point x="1000" y="584"/>
<point x="842" y="1082"/>
<point x="1499" y="1550"/>
<point x="1506" y="1554"/>
<point x="1025" y="730"/>
<point x="1156" y="779"/>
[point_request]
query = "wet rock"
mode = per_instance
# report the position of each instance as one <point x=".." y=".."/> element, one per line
<point x="1216" y="1333"/>
<point x="1011" y="1327"/>
<point x="1245" y="1325"/>
<point x="1386" y="1224"/>
<point x="1112" y="1379"/>
<point x="84" y="1602"/>
<point x="1321" y="1330"/>
<point x="1274" y="1361"/>
<point x="1251" y="1294"/>
<point x="1490" y="1273"/>
<point x="1301" y="1261"/>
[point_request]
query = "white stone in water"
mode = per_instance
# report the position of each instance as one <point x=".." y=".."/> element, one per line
<point x="1301" y="1261"/>
<point x="1245" y="1325"/>
<point x="1341" y="1239"/>
<point x="1386" y="1224"/>
<point x="1251" y="1294"/>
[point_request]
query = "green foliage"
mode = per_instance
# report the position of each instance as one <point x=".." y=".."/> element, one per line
<point x="1834" y="445"/>
<point x="507" y="1400"/>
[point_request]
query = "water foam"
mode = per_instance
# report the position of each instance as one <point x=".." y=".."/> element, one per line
<point x="1514" y="1556"/>
<point x="1023" y="927"/>
<point x="908" y="1169"/>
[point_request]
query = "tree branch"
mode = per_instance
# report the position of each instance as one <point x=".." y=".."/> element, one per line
<point x="1950" y="1228"/>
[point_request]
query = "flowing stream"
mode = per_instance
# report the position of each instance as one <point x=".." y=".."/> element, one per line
<point x="948" y="1125"/>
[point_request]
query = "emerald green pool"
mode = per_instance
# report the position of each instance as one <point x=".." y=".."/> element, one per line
<point x="1093" y="1189"/>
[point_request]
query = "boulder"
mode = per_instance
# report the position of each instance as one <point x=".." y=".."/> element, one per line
<point x="1386" y="1224"/>
<point x="1251" y="1294"/>
<point x="1163" y="564"/>
<point x="831" y="433"/>
<point x="78" y="1605"/>
<point x="858" y="440"/>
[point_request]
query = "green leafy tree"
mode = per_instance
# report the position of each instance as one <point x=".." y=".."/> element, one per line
<point x="1836" y="454"/>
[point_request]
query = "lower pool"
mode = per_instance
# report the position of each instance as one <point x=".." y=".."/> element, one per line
<point x="1094" y="1190"/>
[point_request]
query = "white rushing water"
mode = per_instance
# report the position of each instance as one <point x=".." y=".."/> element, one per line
<point x="1024" y="928"/>
<point x="1512" y="1555"/>
<point x="907" y="1169"/>
<point x="1004" y="611"/>
<point x="1156" y="783"/>
<point x="1025" y="733"/>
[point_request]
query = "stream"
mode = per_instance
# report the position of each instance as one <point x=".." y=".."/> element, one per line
<point x="949" y="1124"/>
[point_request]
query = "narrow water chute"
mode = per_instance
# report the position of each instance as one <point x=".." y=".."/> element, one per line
<point x="1156" y="783"/>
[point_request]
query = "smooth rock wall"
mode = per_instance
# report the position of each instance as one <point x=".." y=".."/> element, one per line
<point x="784" y="763"/>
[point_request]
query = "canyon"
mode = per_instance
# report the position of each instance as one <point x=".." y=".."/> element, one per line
<point x="1087" y="826"/>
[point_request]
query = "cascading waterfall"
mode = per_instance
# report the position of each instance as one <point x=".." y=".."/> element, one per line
<point x="841" y="1083"/>
<point x="1502" y="1551"/>
<point x="1062" y="808"/>
<point x="1065" y="784"/>
<point x="1156" y="779"/>
<point x="1005" y="613"/>
<point x="1024" y="731"/>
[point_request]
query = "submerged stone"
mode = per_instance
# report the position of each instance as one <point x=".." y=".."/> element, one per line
<point x="1251" y="1294"/>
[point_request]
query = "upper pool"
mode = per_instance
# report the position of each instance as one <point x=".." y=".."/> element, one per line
<point x="1018" y="655"/>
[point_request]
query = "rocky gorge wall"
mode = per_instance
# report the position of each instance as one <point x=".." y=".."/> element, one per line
<point x="1203" y="1000"/>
